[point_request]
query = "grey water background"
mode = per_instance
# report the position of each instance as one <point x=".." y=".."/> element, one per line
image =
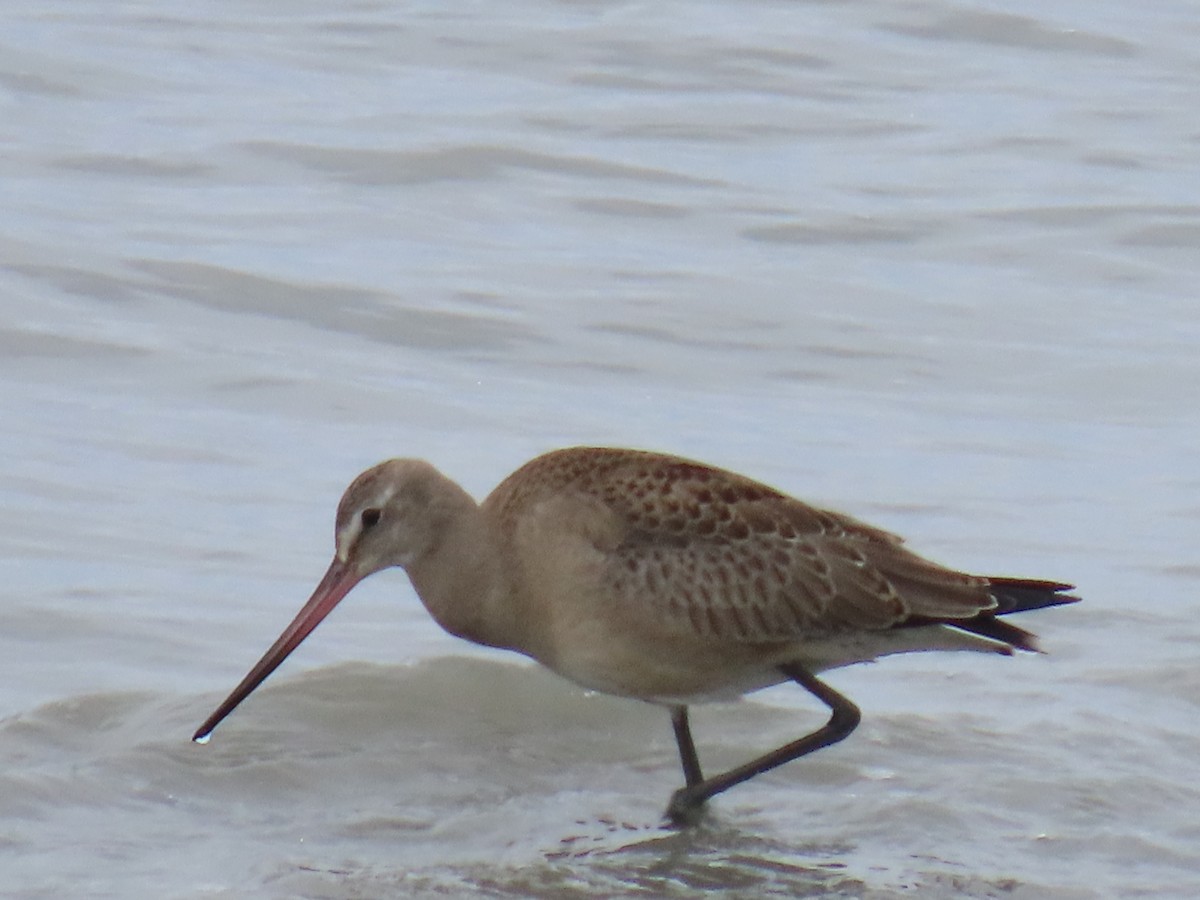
<point x="931" y="263"/>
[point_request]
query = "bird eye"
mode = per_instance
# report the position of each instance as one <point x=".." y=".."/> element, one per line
<point x="370" y="517"/>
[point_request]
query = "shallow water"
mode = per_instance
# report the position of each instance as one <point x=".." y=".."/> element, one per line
<point x="932" y="263"/>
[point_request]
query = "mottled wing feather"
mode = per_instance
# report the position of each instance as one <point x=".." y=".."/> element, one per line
<point x="772" y="588"/>
<point x="725" y="556"/>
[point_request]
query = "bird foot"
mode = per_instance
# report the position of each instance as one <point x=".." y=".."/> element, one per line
<point x="686" y="809"/>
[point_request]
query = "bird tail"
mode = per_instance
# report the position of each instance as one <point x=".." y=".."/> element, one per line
<point x="1021" y="594"/>
<point x="1015" y="595"/>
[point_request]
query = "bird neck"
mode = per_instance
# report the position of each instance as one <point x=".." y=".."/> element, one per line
<point x="462" y="581"/>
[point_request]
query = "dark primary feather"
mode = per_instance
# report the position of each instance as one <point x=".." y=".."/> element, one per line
<point x="1012" y="595"/>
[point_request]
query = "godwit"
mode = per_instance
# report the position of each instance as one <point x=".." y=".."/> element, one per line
<point x="654" y="577"/>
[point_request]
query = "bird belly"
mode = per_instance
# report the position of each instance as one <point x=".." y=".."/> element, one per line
<point x="673" y="670"/>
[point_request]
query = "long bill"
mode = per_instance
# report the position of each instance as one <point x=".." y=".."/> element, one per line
<point x="336" y="584"/>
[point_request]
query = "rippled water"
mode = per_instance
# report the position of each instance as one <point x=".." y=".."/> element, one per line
<point x="934" y="264"/>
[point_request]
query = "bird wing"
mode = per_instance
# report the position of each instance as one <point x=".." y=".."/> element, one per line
<point x="726" y="556"/>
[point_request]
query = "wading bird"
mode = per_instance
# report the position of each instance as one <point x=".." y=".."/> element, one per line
<point x="653" y="577"/>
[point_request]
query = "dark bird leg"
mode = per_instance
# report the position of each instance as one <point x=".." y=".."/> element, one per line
<point x="687" y="802"/>
<point x="687" y="749"/>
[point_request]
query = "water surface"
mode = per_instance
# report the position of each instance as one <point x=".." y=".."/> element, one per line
<point x="933" y="264"/>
